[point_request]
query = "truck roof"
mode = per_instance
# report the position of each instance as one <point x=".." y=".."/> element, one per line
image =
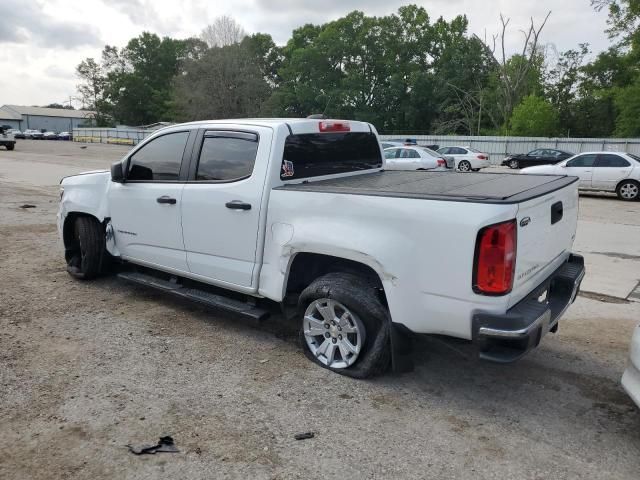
<point x="295" y="125"/>
<point x="503" y="188"/>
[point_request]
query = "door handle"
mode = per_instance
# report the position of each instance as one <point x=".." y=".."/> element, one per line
<point x="166" y="199"/>
<point x="238" y="205"/>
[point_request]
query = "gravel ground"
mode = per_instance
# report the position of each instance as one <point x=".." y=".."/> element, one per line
<point x="86" y="368"/>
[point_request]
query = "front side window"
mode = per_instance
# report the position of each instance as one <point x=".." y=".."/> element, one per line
<point x="582" y="161"/>
<point x="227" y="156"/>
<point x="388" y="154"/>
<point x="609" y="160"/>
<point x="160" y="159"/>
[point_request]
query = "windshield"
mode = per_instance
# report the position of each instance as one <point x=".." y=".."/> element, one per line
<point x="635" y="157"/>
<point x="473" y="150"/>
<point x="317" y="154"/>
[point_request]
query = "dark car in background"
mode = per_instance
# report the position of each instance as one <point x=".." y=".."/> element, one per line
<point x="539" y="156"/>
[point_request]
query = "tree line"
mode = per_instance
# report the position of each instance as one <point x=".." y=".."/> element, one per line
<point x="405" y="73"/>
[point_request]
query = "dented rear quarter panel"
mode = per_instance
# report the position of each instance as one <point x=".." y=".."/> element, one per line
<point x="422" y="250"/>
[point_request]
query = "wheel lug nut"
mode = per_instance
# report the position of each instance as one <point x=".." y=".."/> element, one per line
<point x="334" y="340"/>
<point x="339" y="337"/>
<point x="333" y="322"/>
<point x="327" y="335"/>
<point x="339" y="329"/>
<point x="326" y="325"/>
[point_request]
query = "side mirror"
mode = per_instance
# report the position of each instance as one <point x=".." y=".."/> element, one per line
<point x="117" y="172"/>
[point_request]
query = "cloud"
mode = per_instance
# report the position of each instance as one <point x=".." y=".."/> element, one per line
<point x="25" y="22"/>
<point x="56" y="71"/>
<point x="143" y="13"/>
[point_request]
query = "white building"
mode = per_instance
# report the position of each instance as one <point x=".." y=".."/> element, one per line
<point x="40" y="118"/>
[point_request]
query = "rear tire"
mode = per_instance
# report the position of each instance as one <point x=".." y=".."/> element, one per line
<point x="10" y="146"/>
<point x="464" y="166"/>
<point x="628" y="190"/>
<point x="85" y="256"/>
<point x="338" y="305"/>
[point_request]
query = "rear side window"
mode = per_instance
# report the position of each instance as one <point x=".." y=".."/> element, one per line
<point x="227" y="156"/>
<point x="608" y="160"/>
<point x="160" y="159"/>
<point x="409" y="153"/>
<point x="316" y="154"/>
<point x="582" y="161"/>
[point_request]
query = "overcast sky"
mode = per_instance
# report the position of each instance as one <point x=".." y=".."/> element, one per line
<point x="42" y="41"/>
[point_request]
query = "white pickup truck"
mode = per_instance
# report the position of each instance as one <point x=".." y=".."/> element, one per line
<point x="248" y="214"/>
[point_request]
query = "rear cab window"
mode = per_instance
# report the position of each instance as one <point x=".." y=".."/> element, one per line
<point x="309" y="155"/>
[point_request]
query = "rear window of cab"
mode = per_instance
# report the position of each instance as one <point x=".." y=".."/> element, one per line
<point x="316" y="154"/>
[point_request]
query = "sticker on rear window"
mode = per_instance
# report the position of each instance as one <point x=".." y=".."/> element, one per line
<point x="287" y="168"/>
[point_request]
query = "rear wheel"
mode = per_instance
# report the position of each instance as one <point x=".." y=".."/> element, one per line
<point x="514" y="164"/>
<point x="10" y="146"/>
<point x="628" y="190"/>
<point x="464" y="166"/>
<point x="345" y="327"/>
<point x="85" y="255"/>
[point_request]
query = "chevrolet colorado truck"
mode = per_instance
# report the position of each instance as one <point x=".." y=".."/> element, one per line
<point x="244" y="215"/>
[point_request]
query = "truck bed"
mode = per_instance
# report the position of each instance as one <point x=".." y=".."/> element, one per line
<point x="502" y="188"/>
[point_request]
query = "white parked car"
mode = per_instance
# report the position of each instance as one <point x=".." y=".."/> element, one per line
<point x="599" y="171"/>
<point x="631" y="377"/>
<point x="253" y="216"/>
<point x="415" y="158"/>
<point x="466" y="158"/>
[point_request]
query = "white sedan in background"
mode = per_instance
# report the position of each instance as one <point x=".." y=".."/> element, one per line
<point x="599" y="171"/>
<point x="415" y="158"/>
<point x="631" y="377"/>
<point x="466" y="158"/>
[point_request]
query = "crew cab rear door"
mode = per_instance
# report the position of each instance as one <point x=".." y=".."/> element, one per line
<point x="221" y="203"/>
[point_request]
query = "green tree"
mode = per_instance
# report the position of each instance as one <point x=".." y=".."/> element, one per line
<point x="627" y="101"/>
<point x="534" y="117"/>
<point x="225" y="82"/>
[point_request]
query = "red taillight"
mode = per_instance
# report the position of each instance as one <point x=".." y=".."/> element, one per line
<point x="482" y="157"/>
<point x="495" y="259"/>
<point x="332" y="126"/>
<point x="442" y="162"/>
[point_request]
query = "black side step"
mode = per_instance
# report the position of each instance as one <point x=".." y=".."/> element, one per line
<point x="210" y="299"/>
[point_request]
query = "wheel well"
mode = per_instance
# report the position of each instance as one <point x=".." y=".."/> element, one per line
<point x="626" y="180"/>
<point x="67" y="229"/>
<point x="306" y="267"/>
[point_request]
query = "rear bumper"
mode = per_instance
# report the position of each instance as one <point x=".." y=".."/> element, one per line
<point x="508" y="337"/>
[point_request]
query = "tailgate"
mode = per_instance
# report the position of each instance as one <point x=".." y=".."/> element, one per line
<point x="546" y="231"/>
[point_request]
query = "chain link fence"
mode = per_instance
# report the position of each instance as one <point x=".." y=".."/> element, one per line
<point x="116" y="136"/>
<point x="500" y="147"/>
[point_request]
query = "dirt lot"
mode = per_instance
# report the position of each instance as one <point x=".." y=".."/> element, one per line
<point x="86" y="368"/>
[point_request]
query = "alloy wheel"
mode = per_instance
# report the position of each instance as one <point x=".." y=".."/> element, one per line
<point x="335" y="335"/>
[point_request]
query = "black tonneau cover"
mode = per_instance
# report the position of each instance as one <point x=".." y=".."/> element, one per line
<point x="450" y="186"/>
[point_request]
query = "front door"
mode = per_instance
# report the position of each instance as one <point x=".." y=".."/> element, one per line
<point x="608" y="170"/>
<point x="221" y="204"/>
<point x="145" y="209"/>
<point x="581" y="166"/>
